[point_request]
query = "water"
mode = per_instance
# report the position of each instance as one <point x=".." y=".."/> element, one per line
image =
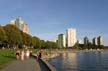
<point x="81" y="61"/>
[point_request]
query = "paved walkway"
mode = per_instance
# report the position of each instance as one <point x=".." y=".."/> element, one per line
<point x="26" y="65"/>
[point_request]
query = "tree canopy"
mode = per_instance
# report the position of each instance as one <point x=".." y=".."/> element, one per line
<point x="3" y="36"/>
<point x="14" y="37"/>
<point x="13" y="34"/>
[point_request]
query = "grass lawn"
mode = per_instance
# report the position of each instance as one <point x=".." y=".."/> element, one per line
<point x="6" y="56"/>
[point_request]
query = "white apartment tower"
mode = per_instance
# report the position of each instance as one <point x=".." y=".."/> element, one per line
<point x="21" y="24"/>
<point x="25" y="28"/>
<point x="71" y="37"/>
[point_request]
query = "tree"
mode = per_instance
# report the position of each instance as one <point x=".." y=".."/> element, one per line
<point x="3" y="37"/>
<point x="101" y="46"/>
<point x="14" y="37"/>
<point x="35" y="42"/>
<point x="90" y="45"/>
<point x="26" y="39"/>
<point x="76" y="46"/>
<point x="13" y="34"/>
<point x="50" y="44"/>
<point x="42" y="44"/>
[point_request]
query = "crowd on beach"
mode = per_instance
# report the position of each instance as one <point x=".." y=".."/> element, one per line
<point x="23" y="54"/>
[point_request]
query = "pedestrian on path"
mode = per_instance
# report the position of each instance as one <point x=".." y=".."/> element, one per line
<point x="27" y="53"/>
<point x="22" y="55"/>
<point x="30" y="52"/>
<point x="40" y="54"/>
<point x="17" y="54"/>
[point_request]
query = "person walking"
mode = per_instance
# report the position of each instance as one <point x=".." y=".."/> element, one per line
<point x="17" y="54"/>
<point x="30" y="52"/>
<point x="27" y="54"/>
<point x="40" y="54"/>
<point x="22" y="55"/>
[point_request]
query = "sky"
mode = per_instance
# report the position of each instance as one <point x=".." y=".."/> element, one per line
<point x="48" y="18"/>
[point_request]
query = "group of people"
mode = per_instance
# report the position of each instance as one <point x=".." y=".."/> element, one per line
<point x="22" y="54"/>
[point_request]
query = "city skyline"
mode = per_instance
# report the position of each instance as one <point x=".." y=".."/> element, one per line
<point x="48" y="18"/>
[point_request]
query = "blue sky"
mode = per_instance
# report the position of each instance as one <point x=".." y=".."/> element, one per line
<point x="48" y="18"/>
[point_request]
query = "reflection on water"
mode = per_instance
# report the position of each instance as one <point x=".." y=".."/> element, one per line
<point x="81" y="61"/>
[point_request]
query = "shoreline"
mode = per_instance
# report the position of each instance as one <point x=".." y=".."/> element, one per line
<point x="51" y="67"/>
<point x="56" y="52"/>
<point x="76" y="50"/>
<point x="43" y="62"/>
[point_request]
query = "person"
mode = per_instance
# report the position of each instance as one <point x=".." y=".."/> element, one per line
<point x="22" y="55"/>
<point x="17" y="54"/>
<point x="30" y="52"/>
<point x="40" y="54"/>
<point x="27" y="53"/>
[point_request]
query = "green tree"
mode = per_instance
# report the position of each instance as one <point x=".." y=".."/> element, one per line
<point x="90" y="45"/>
<point x="27" y="39"/>
<point x="3" y="37"/>
<point x="76" y="46"/>
<point x="50" y="44"/>
<point x="13" y="34"/>
<point x="35" y="42"/>
<point x="42" y="44"/>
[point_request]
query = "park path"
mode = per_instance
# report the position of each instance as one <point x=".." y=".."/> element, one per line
<point x="26" y="65"/>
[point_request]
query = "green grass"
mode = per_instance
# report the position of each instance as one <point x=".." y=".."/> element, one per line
<point x="6" y="56"/>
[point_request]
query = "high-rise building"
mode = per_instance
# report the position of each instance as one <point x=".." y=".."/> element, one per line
<point x="94" y="41"/>
<point x="100" y="40"/>
<point x="25" y="28"/>
<point x="61" y="41"/>
<point x="20" y="23"/>
<point x="86" y="40"/>
<point x="13" y="21"/>
<point x="71" y="37"/>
